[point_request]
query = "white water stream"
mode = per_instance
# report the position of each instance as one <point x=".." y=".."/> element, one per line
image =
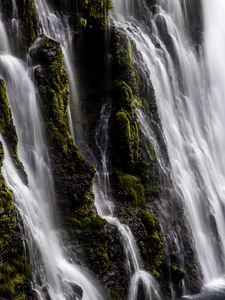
<point x="55" y="277"/>
<point x="189" y="89"/>
<point x="105" y="207"/>
<point x="57" y="27"/>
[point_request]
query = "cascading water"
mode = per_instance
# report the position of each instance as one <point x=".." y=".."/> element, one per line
<point x="191" y="108"/>
<point x="4" y="44"/>
<point x="57" y="27"/>
<point x="189" y="89"/>
<point x="54" y="277"/>
<point x="105" y="208"/>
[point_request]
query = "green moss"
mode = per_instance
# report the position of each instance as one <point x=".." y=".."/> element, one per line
<point x="14" y="273"/>
<point x="152" y="191"/>
<point x="149" y="220"/>
<point x="10" y="280"/>
<point x="114" y="294"/>
<point x="73" y="177"/>
<point x="130" y="189"/>
<point x="125" y="130"/>
<point x="7" y="210"/>
<point x="124" y="98"/>
<point x="123" y="60"/>
<point x="7" y="128"/>
<point x="151" y="150"/>
<point x="29" y="22"/>
<point x="133" y="157"/>
<point x="95" y="11"/>
<point x="90" y="232"/>
<point x="125" y="140"/>
<point x="83" y="22"/>
<point x="152" y="242"/>
<point x="5" y="115"/>
<point x="55" y="93"/>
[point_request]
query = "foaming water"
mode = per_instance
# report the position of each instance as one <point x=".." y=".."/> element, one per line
<point x="105" y="207"/>
<point x="189" y="89"/>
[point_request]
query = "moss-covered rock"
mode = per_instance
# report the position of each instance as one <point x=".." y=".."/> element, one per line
<point x="125" y="141"/>
<point x="135" y="183"/>
<point x="154" y="241"/>
<point x="73" y="176"/>
<point x="7" y="210"/>
<point x="85" y="233"/>
<point x="29" y="26"/>
<point x="125" y="129"/>
<point x="14" y="265"/>
<point x="123" y="60"/>
<point x="7" y="129"/>
<point x="130" y="189"/>
<point x="5" y="115"/>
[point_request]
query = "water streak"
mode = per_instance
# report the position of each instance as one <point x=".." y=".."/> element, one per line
<point x="57" y="27"/>
<point x="53" y="273"/>
<point x="191" y="108"/>
<point x="105" y="207"/>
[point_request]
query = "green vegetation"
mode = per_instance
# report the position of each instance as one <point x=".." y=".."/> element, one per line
<point x="72" y="174"/>
<point x="5" y="115"/>
<point x="95" y="11"/>
<point x="132" y="155"/>
<point x="14" y="271"/>
<point x="152" y="242"/>
<point x="29" y="23"/>
<point x="130" y="189"/>
<point x="7" y="128"/>
<point x="126" y="140"/>
<point x="7" y="210"/>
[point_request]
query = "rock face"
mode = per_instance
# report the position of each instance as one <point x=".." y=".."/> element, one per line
<point x="139" y="189"/>
<point x="87" y="234"/>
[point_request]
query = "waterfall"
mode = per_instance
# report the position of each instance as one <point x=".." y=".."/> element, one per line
<point x="189" y="89"/>
<point x="54" y="275"/>
<point x="4" y="43"/>
<point x="57" y="27"/>
<point x="188" y="81"/>
<point x="105" y="208"/>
